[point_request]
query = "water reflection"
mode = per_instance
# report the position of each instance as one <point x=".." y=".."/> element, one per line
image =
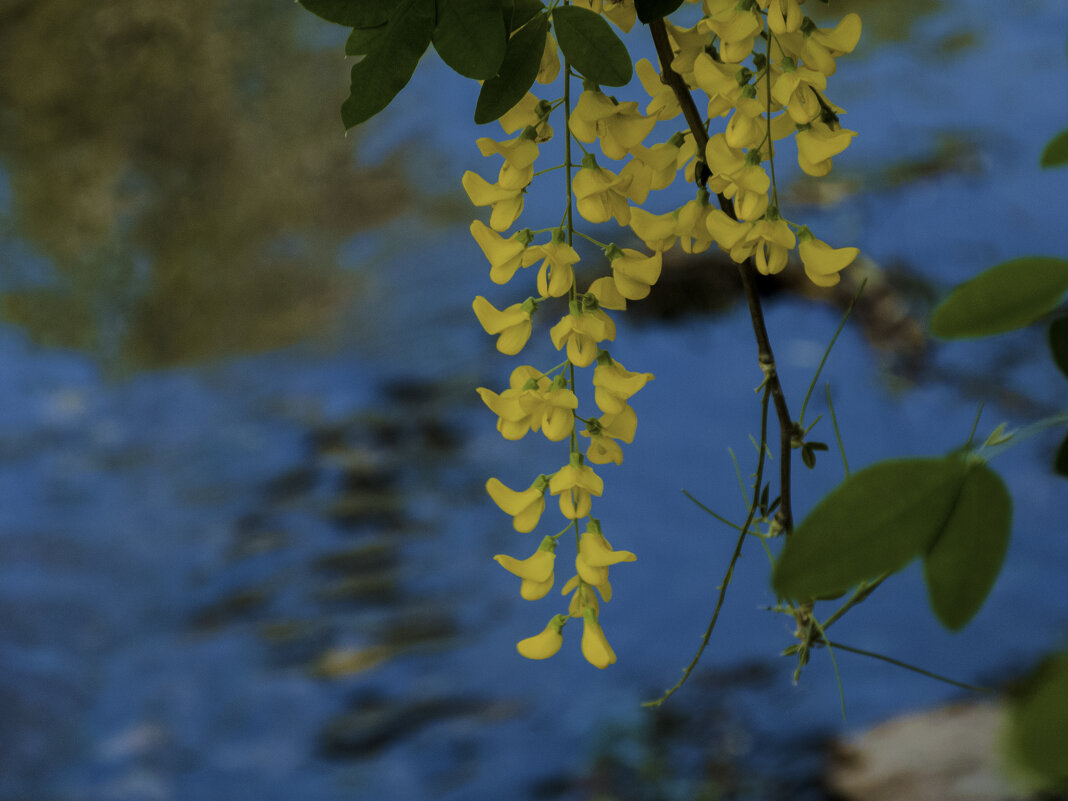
<point x="182" y="169"/>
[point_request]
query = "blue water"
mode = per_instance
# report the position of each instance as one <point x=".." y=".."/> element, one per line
<point x="183" y="546"/>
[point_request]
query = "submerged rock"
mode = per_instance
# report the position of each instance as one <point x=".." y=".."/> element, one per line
<point x="945" y="754"/>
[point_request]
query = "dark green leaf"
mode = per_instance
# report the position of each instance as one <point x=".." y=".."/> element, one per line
<point x="1056" y="152"/>
<point x="470" y="36"/>
<point x="649" y="10"/>
<point x="361" y="40"/>
<point x="875" y="522"/>
<point x="591" y="46"/>
<point x="1037" y="728"/>
<point x="808" y="456"/>
<point x="964" y="561"/>
<point x="521" y="12"/>
<point x="518" y="71"/>
<point x="1060" y="463"/>
<point x="1058" y="342"/>
<point x="1010" y="295"/>
<point x="389" y="65"/>
<point x="352" y="13"/>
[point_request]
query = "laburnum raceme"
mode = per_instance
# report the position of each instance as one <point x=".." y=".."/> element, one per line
<point x="763" y="67"/>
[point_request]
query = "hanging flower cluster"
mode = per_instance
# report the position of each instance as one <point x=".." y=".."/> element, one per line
<point x="764" y="66"/>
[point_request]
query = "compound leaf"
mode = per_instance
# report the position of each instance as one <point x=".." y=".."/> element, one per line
<point x="875" y="522"/>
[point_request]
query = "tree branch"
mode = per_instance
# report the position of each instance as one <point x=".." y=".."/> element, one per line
<point x="784" y="516"/>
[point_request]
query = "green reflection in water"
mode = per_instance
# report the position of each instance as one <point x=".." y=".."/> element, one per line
<point x="183" y="170"/>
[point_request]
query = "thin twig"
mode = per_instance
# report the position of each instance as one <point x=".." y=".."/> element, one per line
<point x="734" y="557"/>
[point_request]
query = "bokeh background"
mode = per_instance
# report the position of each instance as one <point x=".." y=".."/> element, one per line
<point x="245" y="551"/>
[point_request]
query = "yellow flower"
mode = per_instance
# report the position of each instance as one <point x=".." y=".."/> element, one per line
<point x="555" y="276"/>
<point x="574" y="483"/>
<point x="608" y="297"/>
<point x="613" y="384"/>
<point x="595" y="645"/>
<point x="784" y="16"/>
<point x="823" y="45"/>
<point x="721" y="82"/>
<point x="600" y="194"/>
<point x="692" y="227"/>
<point x="602" y="449"/>
<point x="772" y="240"/>
<point x="633" y="271"/>
<point x="580" y="331"/>
<point x="724" y="162"/>
<point x="546" y="644"/>
<point x="650" y="168"/>
<point x="619" y="126"/>
<point x="687" y="44"/>
<point x="796" y="90"/>
<point x="584" y="596"/>
<point x="525" y="507"/>
<point x="536" y="570"/>
<point x="551" y="409"/>
<point x="750" y="192"/>
<point x="596" y="555"/>
<point x="657" y="231"/>
<point x="817" y="144"/>
<point x="506" y="200"/>
<point x="520" y="152"/>
<point x="664" y="104"/>
<point x="822" y="262"/>
<point x="512" y="323"/>
<point x="603" y="433"/>
<point x="504" y="255"/>
<point x="530" y="111"/>
<point x="514" y="419"/>
<point x="747" y="127"/>
<point x="621" y="12"/>
<point x="736" y="28"/>
<point x="724" y="230"/>
<point x="549" y="67"/>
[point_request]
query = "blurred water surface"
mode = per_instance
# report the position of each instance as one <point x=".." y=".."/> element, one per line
<point x="244" y="545"/>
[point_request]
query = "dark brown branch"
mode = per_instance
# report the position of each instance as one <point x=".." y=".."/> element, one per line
<point x="746" y="272"/>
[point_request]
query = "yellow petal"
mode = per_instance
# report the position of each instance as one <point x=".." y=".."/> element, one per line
<point x="596" y="551"/>
<point x="536" y="567"/>
<point x="595" y="645"/>
<point x="544" y="645"/>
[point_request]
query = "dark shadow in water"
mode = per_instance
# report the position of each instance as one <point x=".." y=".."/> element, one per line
<point x="183" y="170"/>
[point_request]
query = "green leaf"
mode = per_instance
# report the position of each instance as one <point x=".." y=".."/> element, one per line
<point x="1010" y="295"/>
<point x="649" y="10"/>
<point x="362" y="40"/>
<point x="521" y="12"/>
<point x="1060" y="463"/>
<point x="962" y="565"/>
<point x="591" y="46"/>
<point x="518" y="71"/>
<point x="875" y="522"/>
<point x="1055" y="153"/>
<point x="1058" y="342"/>
<point x="470" y="36"/>
<point x="389" y="65"/>
<point x="1038" y="725"/>
<point x="352" y="13"/>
